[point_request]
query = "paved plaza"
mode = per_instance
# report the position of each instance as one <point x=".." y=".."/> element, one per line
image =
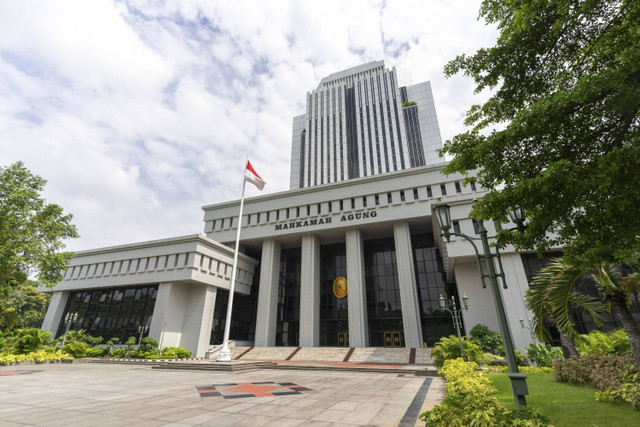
<point x="88" y="394"/>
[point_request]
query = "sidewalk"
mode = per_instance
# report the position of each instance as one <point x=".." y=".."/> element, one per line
<point x="126" y="394"/>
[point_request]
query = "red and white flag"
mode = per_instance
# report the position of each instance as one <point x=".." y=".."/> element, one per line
<point x="250" y="175"/>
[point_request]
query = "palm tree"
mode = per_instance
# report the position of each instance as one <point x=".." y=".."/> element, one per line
<point x="552" y="293"/>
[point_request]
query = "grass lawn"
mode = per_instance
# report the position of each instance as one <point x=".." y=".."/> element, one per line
<point x="567" y="405"/>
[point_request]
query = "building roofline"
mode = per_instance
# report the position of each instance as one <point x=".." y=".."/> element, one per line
<point x="322" y="187"/>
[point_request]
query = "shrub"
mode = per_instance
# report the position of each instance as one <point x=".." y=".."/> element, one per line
<point x="601" y="370"/>
<point x="40" y="356"/>
<point x="489" y="340"/>
<point x="119" y="352"/>
<point x="149" y="344"/>
<point x="521" y="369"/>
<point x="175" y="353"/>
<point x="96" y="351"/>
<point x="614" y="342"/>
<point x="494" y="360"/>
<point x="628" y="391"/>
<point x="449" y="348"/>
<point x="543" y="354"/>
<point x="471" y="400"/>
<point x="76" y="349"/>
<point x="29" y="340"/>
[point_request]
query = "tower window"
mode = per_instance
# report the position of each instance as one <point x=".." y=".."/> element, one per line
<point x="429" y="192"/>
<point x="443" y="189"/>
<point x="458" y="189"/>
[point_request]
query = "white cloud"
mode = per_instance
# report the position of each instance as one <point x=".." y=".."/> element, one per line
<point x="139" y="112"/>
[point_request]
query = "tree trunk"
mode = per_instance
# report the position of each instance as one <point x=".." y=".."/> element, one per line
<point x="568" y="347"/>
<point x="629" y="326"/>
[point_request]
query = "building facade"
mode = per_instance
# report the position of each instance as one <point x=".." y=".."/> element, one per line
<point x="350" y="256"/>
<point x="364" y="121"/>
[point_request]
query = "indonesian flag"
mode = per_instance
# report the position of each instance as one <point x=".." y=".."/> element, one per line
<point x="250" y="175"/>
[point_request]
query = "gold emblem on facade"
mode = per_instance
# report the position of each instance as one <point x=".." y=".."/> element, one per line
<point x="340" y="287"/>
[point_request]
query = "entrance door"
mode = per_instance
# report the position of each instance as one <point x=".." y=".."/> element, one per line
<point x="343" y="339"/>
<point x="393" y="339"/>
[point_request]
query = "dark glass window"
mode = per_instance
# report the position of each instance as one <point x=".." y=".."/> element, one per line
<point x="111" y="312"/>
<point x="458" y="188"/>
<point x="476" y="226"/>
<point x="429" y="192"/>
<point x="443" y="189"/>
<point x="431" y="283"/>
<point x="334" y="322"/>
<point x="383" y="292"/>
<point x="288" y="314"/>
<point x="456" y="226"/>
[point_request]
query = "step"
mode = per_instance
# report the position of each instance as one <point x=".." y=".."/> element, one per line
<point x="324" y="354"/>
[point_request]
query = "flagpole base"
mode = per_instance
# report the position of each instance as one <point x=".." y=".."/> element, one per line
<point x="224" y="355"/>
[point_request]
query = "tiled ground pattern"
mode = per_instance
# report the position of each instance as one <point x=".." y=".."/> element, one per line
<point x="124" y="395"/>
<point x="240" y="390"/>
<point x="2" y="373"/>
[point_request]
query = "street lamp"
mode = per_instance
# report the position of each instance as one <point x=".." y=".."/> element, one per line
<point x="443" y="215"/>
<point x="456" y="316"/>
<point x="69" y="318"/>
<point x="141" y="330"/>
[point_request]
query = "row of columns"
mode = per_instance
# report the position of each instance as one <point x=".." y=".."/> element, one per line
<point x="310" y="290"/>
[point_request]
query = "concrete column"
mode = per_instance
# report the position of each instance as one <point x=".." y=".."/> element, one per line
<point x="310" y="292"/>
<point x="198" y="319"/>
<point x="514" y="299"/>
<point x="55" y="312"/>
<point x="168" y="314"/>
<point x="268" y="294"/>
<point x="357" y="294"/>
<point x="408" y="290"/>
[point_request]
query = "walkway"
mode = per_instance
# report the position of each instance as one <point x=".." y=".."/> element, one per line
<point x="87" y="394"/>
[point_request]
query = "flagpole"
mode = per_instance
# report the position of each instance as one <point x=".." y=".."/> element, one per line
<point x="225" y="354"/>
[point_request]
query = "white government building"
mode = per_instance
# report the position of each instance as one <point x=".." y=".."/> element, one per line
<point x="365" y="176"/>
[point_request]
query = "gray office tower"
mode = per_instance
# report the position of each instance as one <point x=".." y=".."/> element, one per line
<point x="364" y="121"/>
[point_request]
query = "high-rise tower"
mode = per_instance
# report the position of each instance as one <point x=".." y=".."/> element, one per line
<point x="363" y="121"/>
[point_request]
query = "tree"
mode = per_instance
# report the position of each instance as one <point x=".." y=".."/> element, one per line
<point x="560" y="136"/>
<point x="552" y="292"/>
<point x="31" y="232"/>
<point x="551" y="295"/>
<point x="29" y="305"/>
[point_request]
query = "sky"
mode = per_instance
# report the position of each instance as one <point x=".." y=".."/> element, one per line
<point x="138" y="113"/>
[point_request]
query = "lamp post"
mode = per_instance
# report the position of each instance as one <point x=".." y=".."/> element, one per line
<point x="456" y="316"/>
<point x="443" y="216"/>
<point x="69" y="318"/>
<point x="141" y="330"/>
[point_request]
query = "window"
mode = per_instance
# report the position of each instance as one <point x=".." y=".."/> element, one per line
<point x="458" y="189"/>
<point x="473" y="186"/>
<point x="456" y="226"/>
<point x="443" y="189"/>
<point x="429" y="192"/>
<point x="377" y="200"/>
<point x="415" y="194"/>
<point x="476" y="226"/>
<point x="402" y="195"/>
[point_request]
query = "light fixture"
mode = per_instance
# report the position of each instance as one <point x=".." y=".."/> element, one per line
<point x="517" y="217"/>
<point x="443" y="215"/>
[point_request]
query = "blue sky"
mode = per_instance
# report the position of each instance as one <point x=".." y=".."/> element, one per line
<point x="140" y="112"/>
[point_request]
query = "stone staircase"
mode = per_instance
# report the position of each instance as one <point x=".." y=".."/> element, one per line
<point x="321" y="354"/>
<point x="262" y="353"/>
<point x="364" y="355"/>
